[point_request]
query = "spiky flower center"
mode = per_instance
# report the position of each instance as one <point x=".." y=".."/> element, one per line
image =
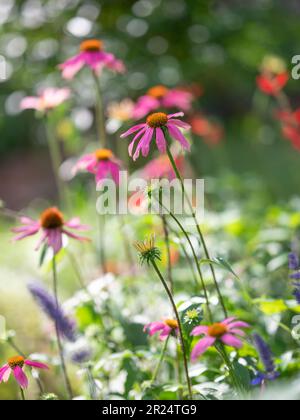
<point x="91" y="45"/>
<point x="157" y="120"/>
<point x="52" y="218"/>
<point x="172" y="323"/>
<point x="15" y="361"/>
<point x="158" y="92"/>
<point x="217" y="330"/>
<point x="147" y="250"/>
<point x="103" y="154"/>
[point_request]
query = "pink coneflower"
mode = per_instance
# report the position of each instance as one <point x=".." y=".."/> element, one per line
<point x="166" y="327"/>
<point x="161" y="168"/>
<point x="162" y="97"/>
<point x="155" y="125"/>
<point x="101" y="163"/>
<point x="15" y="365"/>
<point x="48" y="99"/>
<point x="52" y="226"/>
<point x="228" y="332"/>
<point x="92" y="55"/>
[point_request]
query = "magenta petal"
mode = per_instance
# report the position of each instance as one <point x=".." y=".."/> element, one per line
<point x="232" y="341"/>
<point x="161" y="141"/>
<point x="177" y="135"/>
<point x="54" y="239"/>
<point x="178" y="114"/>
<point x="133" y="130"/>
<point x="138" y="135"/>
<point x="237" y="331"/>
<point x="3" y="372"/>
<point x="202" y="329"/>
<point x="20" y="377"/>
<point x="37" y="365"/>
<point x="238" y="324"/>
<point x="229" y="320"/>
<point x="165" y="333"/>
<point x="154" y="327"/>
<point x="201" y="347"/>
<point x="147" y="141"/>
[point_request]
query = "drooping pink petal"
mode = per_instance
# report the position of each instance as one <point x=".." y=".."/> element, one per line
<point x="141" y="144"/>
<point x="30" y="231"/>
<point x="161" y="141"/>
<point x="37" y="365"/>
<point x="4" y="372"/>
<point x="72" y="66"/>
<point x="75" y="223"/>
<point x="238" y="324"/>
<point x="138" y="135"/>
<point x="115" y="172"/>
<point x="84" y="163"/>
<point x="202" y="329"/>
<point x="232" y="341"/>
<point x="31" y="102"/>
<point x="154" y="327"/>
<point x="54" y="239"/>
<point x="20" y="377"/>
<point x="133" y="130"/>
<point x="165" y="333"/>
<point x="74" y="236"/>
<point x="201" y="347"/>
<point x="177" y="114"/>
<point x="176" y="133"/>
<point x="147" y="142"/>
<point x="237" y="331"/>
<point x="181" y="124"/>
<point x="229" y="320"/>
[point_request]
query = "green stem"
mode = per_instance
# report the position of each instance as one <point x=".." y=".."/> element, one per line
<point x="100" y="117"/>
<point x="202" y="240"/>
<point x="167" y="241"/>
<point x="179" y="327"/>
<point x="22" y="394"/>
<point x="236" y="382"/>
<point x="101" y="227"/>
<point x="59" y="343"/>
<point x="158" y="366"/>
<point x="56" y="160"/>
<point x="195" y="258"/>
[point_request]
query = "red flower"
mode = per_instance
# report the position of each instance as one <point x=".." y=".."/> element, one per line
<point x="291" y="126"/>
<point x="211" y="132"/>
<point x="272" y="84"/>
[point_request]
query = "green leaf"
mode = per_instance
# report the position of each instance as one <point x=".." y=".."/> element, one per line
<point x="243" y="374"/>
<point x="43" y="255"/>
<point x="221" y="263"/>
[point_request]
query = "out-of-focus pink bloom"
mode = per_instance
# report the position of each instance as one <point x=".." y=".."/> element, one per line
<point x="162" y="168"/>
<point x="166" y="327"/>
<point x="162" y="97"/>
<point x="101" y="163"/>
<point x="120" y="111"/>
<point x="92" y="55"/>
<point x="291" y="126"/>
<point x="272" y="84"/>
<point x="211" y="132"/>
<point x="52" y="227"/>
<point x="48" y="99"/>
<point x="155" y="126"/>
<point x="228" y="332"/>
<point x="15" y="365"/>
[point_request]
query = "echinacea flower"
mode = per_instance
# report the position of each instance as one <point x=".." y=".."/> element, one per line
<point x="65" y="326"/>
<point x="147" y="250"/>
<point x="101" y="163"/>
<point x="52" y="226"/>
<point x="48" y="99"/>
<point x="161" y="168"/>
<point x="228" y="332"/>
<point x="166" y="328"/>
<point x="155" y="126"/>
<point x="92" y="55"/>
<point x="162" y="97"/>
<point x="16" y="366"/>
<point x="266" y="356"/>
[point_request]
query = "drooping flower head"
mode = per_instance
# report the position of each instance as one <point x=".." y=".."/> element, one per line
<point x="92" y="55"/>
<point x="162" y="97"/>
<point x="52" y="226"/>
<point x="101" y="163"/>
<point x="166" y="328"/>
<point x="16" y="366"/>
<point x="48" y="99"/>
<point x="266" y="356"/>
<point x="156" y="126"/>
<point x="47" y="302"/>
<point x="228" y="332"/>
<point x="147" y="250"/>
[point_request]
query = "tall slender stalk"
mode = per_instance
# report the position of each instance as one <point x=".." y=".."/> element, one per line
<point x="202" y="240"/>
<point x="22" y="394"/>
<point x="59" y="343"/>
<point x="179" y="326"/>
<point x="169" y="264"/>
<point x="56" y="160"/>
<point x="162" y="356"/>
<point x="100" y="116"/>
